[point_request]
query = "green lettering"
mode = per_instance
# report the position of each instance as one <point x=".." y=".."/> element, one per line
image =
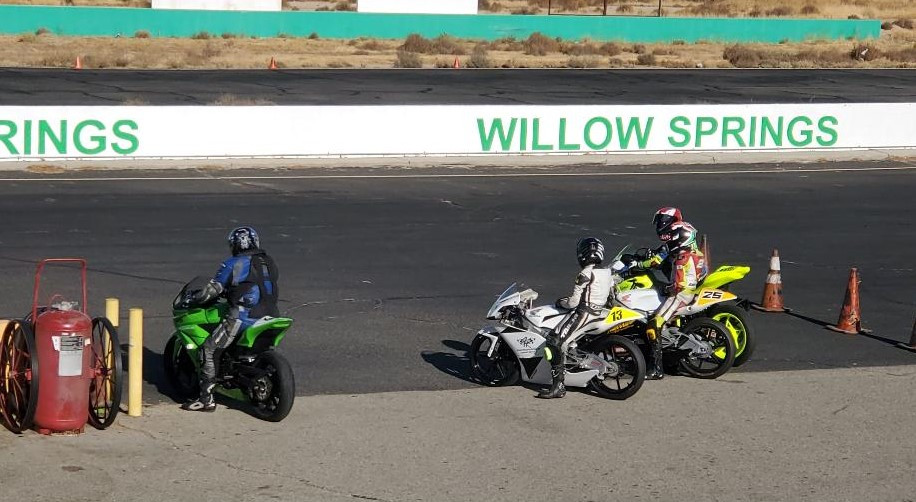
<point x="732" y="130"/>
<point x="9" y="135"/>
<point x="642" y="135"/>
<point x="100" y="141"/>
<point x="486" y="137"/>
<point x="535" y="126"/>
<point x="523" y="136"/>
<point x="712" y="124"/>
<point x="607" y="133"/>
<point x="831" y="133"/>
<point x="678" y="126"/>
<point x="806" y="133"/>
<point x="27" y="137"/>
<point x="126" y="136"/>
<point x="46" y="132"/>
<point x="563" y="144"/>
<point x="766" y="129"/>
<point x="752" y="135"/>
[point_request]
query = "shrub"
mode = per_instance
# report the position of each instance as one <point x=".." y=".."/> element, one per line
<point x="864" y="52"/>
<point x="809" y="9"/>
<point x="373" y="45"/>
<point x="344" y="5"/>
<point x="679" y="42"/>
<point x="42" y="31"/>
<point x="780" y="11"/>
<point x="646" y="59"/>
<point x="407" y="59"/>
<point x="483" y="5"/>
<point x="480" y="57"/>
<point x="542" y="4"/>
<point x="887" y="25"/>
<point x="638" y="49"/>
<point x="583" y="62"/>
<point x="853" y="16"/>
<point x="446" y="44"/>
<point x="201" y="35"/>
<point x="538" y="44"/>
<point x="755" y="12"/>
<point x="904" y="23"/>
<point x="527" y="11"/>
<point x="741" y="56"/>
<point x="141" y="34"/>
<point x="610" y="49"/>
<point x="417" y="44"/>
<point x="624" y="9"/>
<point x="712" y="8"/>
<point x="313" y="35"/>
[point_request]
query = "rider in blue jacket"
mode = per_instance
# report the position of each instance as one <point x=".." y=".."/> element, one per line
<point x="248" y="280"/>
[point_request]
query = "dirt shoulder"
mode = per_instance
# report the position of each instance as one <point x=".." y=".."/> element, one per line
<point x="802" y="435"/>
<point x="896" y="48"/>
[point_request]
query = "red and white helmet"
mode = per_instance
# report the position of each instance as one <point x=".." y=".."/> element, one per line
<point x="680" y="235"/>
<point x="664" y="218"/>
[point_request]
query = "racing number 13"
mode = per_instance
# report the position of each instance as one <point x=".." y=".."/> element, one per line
<point x="616" y="315"/>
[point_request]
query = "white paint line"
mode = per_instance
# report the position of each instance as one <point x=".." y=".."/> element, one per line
<point x="462" y="175"/>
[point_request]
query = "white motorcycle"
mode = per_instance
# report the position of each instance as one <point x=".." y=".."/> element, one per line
<point x="610" y="364"/>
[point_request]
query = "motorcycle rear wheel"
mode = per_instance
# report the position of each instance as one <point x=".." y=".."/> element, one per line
<point x="278" y="387"/>
<point x="496" y="371"/>
<point x="723" y="356"/>
<point x="623" y="352"/>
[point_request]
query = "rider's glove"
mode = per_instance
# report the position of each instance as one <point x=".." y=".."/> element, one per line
<point x="561" y="303"/>
<point x="208" y="293"/>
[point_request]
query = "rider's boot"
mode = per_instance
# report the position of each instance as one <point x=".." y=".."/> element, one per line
<point x="657" y="369"/>
<point x="557" y="374"/>
<point x="205" y="401"/>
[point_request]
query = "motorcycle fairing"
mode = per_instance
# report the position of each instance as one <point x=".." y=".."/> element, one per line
<point x="724" y="275"/>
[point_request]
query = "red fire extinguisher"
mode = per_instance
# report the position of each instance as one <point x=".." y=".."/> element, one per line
<point x="63" y="335"/>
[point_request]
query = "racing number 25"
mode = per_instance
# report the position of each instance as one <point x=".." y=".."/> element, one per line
<point x="712" y="295"/>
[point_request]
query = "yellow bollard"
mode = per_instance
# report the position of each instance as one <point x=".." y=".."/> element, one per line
<point x="113" y="314"/>
<point x="112" y="310"/>
<point x="135" y="373"/>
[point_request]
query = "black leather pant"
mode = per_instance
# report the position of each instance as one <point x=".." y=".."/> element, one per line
<point x="213" y="347"/>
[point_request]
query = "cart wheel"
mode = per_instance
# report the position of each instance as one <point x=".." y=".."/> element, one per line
<point x="105" y="364"/>
<point x="18" y="376"/>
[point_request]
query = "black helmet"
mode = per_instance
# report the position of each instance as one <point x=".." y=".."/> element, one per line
<point x="589" y="251"/>
<point x="243" y="239"/>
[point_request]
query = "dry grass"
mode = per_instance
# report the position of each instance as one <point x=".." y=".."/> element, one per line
<point x="895" y="48"/>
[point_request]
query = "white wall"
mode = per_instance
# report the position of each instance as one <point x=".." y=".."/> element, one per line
<point x="418" y="6"/>
<point x="263" y="5"/>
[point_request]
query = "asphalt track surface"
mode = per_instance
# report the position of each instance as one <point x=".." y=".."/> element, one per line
<point x="389" y="272"/>
<point x="44" y="87"/>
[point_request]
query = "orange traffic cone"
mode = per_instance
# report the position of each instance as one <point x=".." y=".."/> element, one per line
<point x="457" y="63"/>
<point x="78" y="65"/>
<point x="912" y="345"/>
<point x="272" y="65"/>
<point x="772" y="290"/>
<point x="704" y="248"/>
<point x="850" y="318"/>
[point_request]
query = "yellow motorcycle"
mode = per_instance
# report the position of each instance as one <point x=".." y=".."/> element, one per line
<point x="643" y="290"/>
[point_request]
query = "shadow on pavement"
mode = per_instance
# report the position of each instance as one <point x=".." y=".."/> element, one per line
<point x="456" y="365"/>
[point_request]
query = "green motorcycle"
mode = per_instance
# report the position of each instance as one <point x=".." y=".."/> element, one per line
<point x="249" y="370"/>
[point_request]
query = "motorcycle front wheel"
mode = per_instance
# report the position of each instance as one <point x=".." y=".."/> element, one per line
<point x="734" y="318"/>
<point x="273" y="393"/>
<point x="720" y="360"/>
<point x="180" y="370"/>
<point x="496" y="371"/>
<point x="631" y="365"/>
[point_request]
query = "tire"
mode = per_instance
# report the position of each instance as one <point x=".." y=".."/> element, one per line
<point x="278" y="388"/>
<point x="628" y="356"/>
<point x="496" y="371"/>
<point x="735" y="319"/>
<point x="180" y="370"/>
<point x="107" y="382"/>
<point x="720" y="361"/>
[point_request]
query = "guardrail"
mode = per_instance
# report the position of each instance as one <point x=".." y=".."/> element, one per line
<point x="99" y="21"/>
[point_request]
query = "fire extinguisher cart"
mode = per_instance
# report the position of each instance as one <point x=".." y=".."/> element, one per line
<point x="59" y="368"/>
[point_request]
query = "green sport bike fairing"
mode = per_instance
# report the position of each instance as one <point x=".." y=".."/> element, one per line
<point x="249" y="370"/>
<point x="732" y="313"/>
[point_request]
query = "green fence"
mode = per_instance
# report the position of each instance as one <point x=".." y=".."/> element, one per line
<point x="181" y="23"/>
